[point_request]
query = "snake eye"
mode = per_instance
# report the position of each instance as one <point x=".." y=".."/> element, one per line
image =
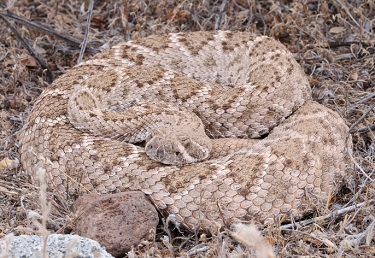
<point x="187" y="143"/>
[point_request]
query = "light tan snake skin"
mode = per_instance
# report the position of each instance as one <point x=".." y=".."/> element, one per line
<point x="82" y="127"/>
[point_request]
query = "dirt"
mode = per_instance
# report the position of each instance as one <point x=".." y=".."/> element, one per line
<point x="332" y="40"/>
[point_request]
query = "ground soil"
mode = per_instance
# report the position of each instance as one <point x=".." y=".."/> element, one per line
<point x="332" y="40"/>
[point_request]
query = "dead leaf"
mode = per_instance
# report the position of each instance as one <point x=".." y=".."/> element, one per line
<point x="5" y="190"/>
<point x="9" y="164"/>
<point x="40" y="50"/>
<point x="96" y="22"/>
<point x="354" y="76"/>
<point x="337" y="30"/>
<point x="28" y="61"/>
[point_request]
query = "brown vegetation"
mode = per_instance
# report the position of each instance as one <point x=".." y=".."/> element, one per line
<point x="333" y="40"/>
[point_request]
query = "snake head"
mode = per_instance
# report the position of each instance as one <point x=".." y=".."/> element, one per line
<point x="176" y="145"/>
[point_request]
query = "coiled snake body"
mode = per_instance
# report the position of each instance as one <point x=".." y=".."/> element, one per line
<point x="196" y="99"/>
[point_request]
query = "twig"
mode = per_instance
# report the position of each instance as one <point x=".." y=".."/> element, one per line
<point x="239" y="6"/>
<point x="124" y="11"/>
<point x="196" y="20"/>
<point x="251" y="16"/>
<point x="87" y="31"/>
<point x="222" y="8"/>
<point x="262" y="18"/>
<point x="358" y="166"/>
<point x="342" y="5"/>
<point x="334" y="44"/>
<point x="46" y="209"/>
<point x="361" y="118"/>
<point x="364" y="129"/>
<point x="30" y="49"/>
<point x="200" y="248"/>
<point x="343" y="56"/>
<point x="45" y="29"/>
<point x="365" y="99"/>
<point x="347" y="137"/>
<point x="325" y="217"/>
<point x="312" y="236"/>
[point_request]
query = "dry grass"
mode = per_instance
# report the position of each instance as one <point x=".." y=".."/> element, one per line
<point x="333" y="40"/>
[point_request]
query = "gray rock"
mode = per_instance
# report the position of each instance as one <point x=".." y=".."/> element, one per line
<point x="58" y="246"/>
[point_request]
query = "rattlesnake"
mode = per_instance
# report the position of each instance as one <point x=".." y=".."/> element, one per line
<point x="83" y="127"/>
